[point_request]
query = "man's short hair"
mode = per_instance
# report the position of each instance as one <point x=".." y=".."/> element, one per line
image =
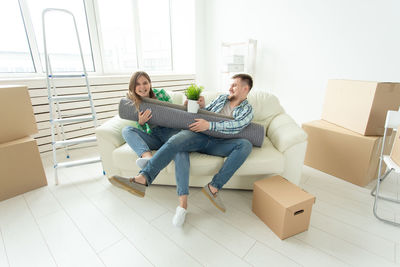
<point x="244" y="78"/>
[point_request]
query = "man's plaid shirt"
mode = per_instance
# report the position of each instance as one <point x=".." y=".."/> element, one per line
<point x="242" y="116"/>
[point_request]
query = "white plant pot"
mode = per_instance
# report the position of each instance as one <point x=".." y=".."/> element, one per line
<point x="192" y="106"/>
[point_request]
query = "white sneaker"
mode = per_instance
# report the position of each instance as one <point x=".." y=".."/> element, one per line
<point x="179" y="217"/>
<point x="142" y="162"/>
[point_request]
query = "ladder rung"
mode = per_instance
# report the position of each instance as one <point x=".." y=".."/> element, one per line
<point x="69" y="98"/>
<point x="67" y="75"/>
<point x="74" y="115"/>
<point x="77" y="162"/>
<point x="75" y="141"/>
<point x="75" y="119"/>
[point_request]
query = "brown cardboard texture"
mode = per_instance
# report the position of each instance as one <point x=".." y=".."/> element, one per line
<point x="395" y="154"/>
<point x="21" y="168"/>
<point x="343" y="153"/>
<point x="283" y="206"/>
<point x="360" y="106"/>
<point x="16" y="113"/>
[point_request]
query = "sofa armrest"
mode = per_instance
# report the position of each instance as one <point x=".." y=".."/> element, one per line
<point x="111" y="130"/>
<point x="284" y="132"/>
<point x="109" y="137"/>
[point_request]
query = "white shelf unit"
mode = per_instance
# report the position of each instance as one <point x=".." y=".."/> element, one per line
<point x="237" y="57"/>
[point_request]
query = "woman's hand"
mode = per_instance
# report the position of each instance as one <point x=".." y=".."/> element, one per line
<point x="144" y="116"/>
<point x="201" y="102"/>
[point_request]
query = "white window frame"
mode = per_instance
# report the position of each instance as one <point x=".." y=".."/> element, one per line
<point x="96" y="44"/>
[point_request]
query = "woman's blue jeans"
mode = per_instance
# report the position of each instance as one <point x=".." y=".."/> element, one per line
<point x="142" y="142"/>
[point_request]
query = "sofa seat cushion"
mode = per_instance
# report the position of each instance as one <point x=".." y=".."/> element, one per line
<point x="125" y="158"/>
<point x="266" y="159"/>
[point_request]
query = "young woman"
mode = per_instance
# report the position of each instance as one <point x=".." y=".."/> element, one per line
<point x="145" y="137"/>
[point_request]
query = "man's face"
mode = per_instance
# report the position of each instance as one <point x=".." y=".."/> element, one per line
<point x="238" y="89"/>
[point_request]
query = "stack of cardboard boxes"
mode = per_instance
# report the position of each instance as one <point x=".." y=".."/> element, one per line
<point x="21" y="168"/>
<point x="346" y="143"/>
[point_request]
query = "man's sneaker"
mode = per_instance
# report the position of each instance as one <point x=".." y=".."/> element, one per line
<point x="179" y="217"/>
<point x="142" y="162"/>
<point x="214" y="198"/>
<point x="129" y="185"/>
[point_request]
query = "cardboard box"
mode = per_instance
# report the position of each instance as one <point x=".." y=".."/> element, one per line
<point x="360" y="106"/>
<point x="16" y="113"/>
<point x="283" y="206"/>
<point x="343" y="153"/>
<point x="21" y="168"/>
<point x="395" y="154"/>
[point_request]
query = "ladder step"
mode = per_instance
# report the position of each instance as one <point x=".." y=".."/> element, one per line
<point x="77" y="162"/>
<point x="69" y="98"/>
<point x="67" y="75"/>
<point x="75" y="141"/>
<point x="75" y="119"/>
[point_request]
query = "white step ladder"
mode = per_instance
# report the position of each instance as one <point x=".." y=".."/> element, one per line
<point x="59" y="120"/>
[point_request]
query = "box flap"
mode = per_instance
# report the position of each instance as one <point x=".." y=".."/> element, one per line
<point x="283" y="191"/>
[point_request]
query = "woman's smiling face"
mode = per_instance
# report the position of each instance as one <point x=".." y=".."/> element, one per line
<point x="142" y="87"/>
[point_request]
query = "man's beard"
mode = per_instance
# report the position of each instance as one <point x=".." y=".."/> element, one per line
<point x="231" y="97"/>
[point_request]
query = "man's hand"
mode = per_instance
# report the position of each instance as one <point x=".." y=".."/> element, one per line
<point x="144" y="116"/>
<point x="199" y="126"/>
<point x="201" y="102"/>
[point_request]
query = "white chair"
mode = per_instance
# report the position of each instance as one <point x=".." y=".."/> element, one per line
<point x="392" y="122"/>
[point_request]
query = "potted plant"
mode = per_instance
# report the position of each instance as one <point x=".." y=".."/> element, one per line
<point x="193" y="94"/>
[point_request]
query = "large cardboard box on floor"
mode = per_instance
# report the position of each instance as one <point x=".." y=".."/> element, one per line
<point x="283" y="206"/>
<point x="360" y="106"/>
<point x="343" y="153"/>
<point x="395" y="154"/>
<point x="16" y="113"/>
<point x="21" y="168"/>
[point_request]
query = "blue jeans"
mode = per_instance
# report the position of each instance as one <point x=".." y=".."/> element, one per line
<point x="236" y="151"/>
<point x="142" y="142"/>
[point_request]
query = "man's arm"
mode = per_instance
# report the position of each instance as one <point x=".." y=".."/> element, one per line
<point x="227" y="127"/>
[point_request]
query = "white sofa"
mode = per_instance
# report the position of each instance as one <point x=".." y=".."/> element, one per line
<point x="282" y="152"/>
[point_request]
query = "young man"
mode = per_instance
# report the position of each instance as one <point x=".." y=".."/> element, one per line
<point x="236" y="150"/>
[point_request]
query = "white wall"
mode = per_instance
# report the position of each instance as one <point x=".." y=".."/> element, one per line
<point x="302" y="44"/>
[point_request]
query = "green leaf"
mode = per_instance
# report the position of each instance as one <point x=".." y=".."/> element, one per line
<point x="193" y="92"/>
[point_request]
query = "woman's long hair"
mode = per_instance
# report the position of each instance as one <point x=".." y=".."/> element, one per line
<point x="137" y="99"/>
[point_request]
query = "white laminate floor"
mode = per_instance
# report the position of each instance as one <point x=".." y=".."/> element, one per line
<point x="85" y="221"/>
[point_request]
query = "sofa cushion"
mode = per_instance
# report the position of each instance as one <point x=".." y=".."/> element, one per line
<point x="266" y="107"/>
<point x="261" y="160"/>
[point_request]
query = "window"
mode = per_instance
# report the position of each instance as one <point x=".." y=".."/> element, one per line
<point x="62" y="45"/>
<point x="15" y="55"/>
<point x="118" y="35"/>
<point x="154" y="22"/>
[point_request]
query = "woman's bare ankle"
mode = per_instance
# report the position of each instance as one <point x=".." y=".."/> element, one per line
<point x="140" y="179"/>
<point x="147" y="155"/>
<point x="183" y="201"/>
